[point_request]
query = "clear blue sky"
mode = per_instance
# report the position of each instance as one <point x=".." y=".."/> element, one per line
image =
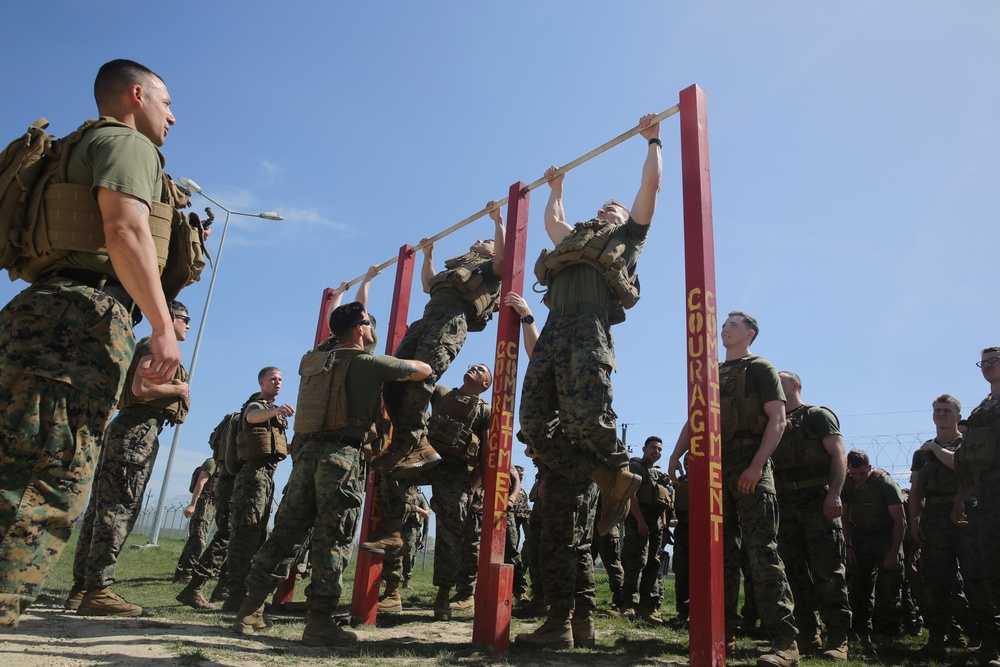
<point x="855" y="155"/>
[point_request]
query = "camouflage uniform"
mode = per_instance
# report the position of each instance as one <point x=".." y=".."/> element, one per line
<point x="209" y="565"/>
<point x="532" y="538"/>
<point x="811" y="545"/>
<point x="642" y="585"/>
<point x="682" y="548"/>
<point x="413" y="526"/>
<point x="871" y="538"/>
<point x="472" y="533"/>
<point x="250" y="509"/>
<point x="200" y="524"/>
<point x="567" y="531"/>
<point x="751" y="519"/>
<point x="512" y="553"/>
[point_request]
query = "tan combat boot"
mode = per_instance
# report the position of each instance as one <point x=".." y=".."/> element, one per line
<point x="582" y="624"/>
<point x="391" y="541"/>
<point x="250" y="617"/>
<point x="322" y="630"/>
<point x="390" y="602"/>
<point x="556" y="632"/>
<point x="784" y="653"/>
<point x="836" y="646"/>
<point x="442" y="606"/>
<point x="105" y="602"/>
<point x="75" y="597"/>
<point x="192" y="595"/>
<point x="398" y="462"/>
<point x="617" y="488"/>
<point x="463" y="602"/>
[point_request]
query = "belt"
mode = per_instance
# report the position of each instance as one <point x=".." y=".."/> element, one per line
<point x="939" y="500"/>
<point x="443" y="310"/>
<point x="579" y="309"/>
<point x="804" y="484"/>
<point x="103" y="283"/>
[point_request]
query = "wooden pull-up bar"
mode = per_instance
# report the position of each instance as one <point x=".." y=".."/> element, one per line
<point x="500" y="202"/>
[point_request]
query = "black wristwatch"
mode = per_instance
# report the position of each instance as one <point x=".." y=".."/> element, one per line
<point x="528" y="319"/>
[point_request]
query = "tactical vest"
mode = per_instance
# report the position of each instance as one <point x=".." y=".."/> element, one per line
<point x="800" y="456"/>
<point x="868" y="509"/>
<point x="464" y="274"/>
<point x="63" y="217"/>
<point x="741" y="414"/>
<point x="322" y="402"/>
<point x="173" y="408"/>
<point x="682" y="503"/>
<point x="258" y="440"/>
<point x="653" y="491"/>
<point x="449" y="430"/>
<point x="591" y="243"/>
<point x="980" y="452"/>
<point x="938" y="480"/>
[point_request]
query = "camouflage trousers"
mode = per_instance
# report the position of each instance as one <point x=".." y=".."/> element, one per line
<point x="199" y="528"/>
<point x="947" y="548"/>
<point x="753" y="520"/>
<point x="609" y="548"/>
<point x="435" y="339"/>
<point x="682" y="568"/>
<point x="398" y="566"/>
<point x="567" y="531"/>
<point x="642" y="585"/>
<point x="64" y="351"/>
<point x="451" y="482"/>
<point x="512" y="555"/>
<point x="249" y="513"/>
<point x="532" y="550"/>
<point x="324" y="494"/>
<point x="988" y="494"/>
<point x="875" y="592"/>
<point x="209" y="565"/>
<point x="812" y="549"/>
<point x="566" y="410"/>
<point x="127" y="458"/>
<point x="468" y="568"/>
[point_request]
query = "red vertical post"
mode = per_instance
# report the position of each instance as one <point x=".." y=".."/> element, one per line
<point x="707" y="618"/>
<point x="323" y="326"/>
<point x="368" y="572"/>
<point x="494" y="589"/>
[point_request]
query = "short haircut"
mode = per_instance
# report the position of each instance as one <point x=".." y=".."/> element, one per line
<point x="345" y="317"/>
<point x="748" y="321"/>
<point x="267" y="369"/>
<point x="990" y="349"/>
<point x="652" y="438"/>
<point x="792" y="375"/>
<point x="178" y="308"/>
<point x="950" y="400"/>
<point x="117" y="76"/>
<point x="857" y="458"/>
<point x="615" y="202"/>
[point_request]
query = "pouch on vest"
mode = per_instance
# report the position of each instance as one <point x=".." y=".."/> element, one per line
<point x="322" y="400"/>
<point x="980" y="445"/>
<point x="229" y="451"/>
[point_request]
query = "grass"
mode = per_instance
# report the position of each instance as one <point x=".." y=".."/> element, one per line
<point x="145" y="578"/>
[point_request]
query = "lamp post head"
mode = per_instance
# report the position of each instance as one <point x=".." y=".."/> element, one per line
<point x="190" y="185"/>
<point x="269" y="215"/>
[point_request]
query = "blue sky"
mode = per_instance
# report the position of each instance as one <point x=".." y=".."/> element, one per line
<point x="855" y="155"/>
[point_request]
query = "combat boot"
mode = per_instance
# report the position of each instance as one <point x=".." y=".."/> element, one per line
<point x="391" y="541"/>
<point x="812" y="640"/>
<point x="322" y="630"/>
<point x="442" y="606"/>
<point x="398" y="462"/>
<point x="221" y="592"/>
<point x="192" y="595"/>
<point x="234" y="602"/>
<point x="987" y="653"/>
<point x="75" y="597"/>
<point x="390" y="602"/>
<point x="934" y="648"/>
<point x="651" y="616"/>
<point x="250" y="617"/>
<point x="534" y="607"/>
<point x="617" y="488"/>
<point x="463" y="602"/>
<point x="582" y="624"/>
<point x="556" y="632"/>
<point x="836" y="646"/>
<point x="784" y="653"/>
<point x="105" y="602"/>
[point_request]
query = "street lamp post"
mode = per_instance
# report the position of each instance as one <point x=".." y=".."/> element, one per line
<point x="154" y="533"/>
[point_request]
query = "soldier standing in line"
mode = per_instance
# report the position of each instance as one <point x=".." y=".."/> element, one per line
<point x="874" y="525"/>
<point x="518" y="515"/>
<point x="201" y="514"/>
<point x="127" y="457"/>
<point x="642" y="589"/>
<point x="339" y="402"/>
<point x="416" y="524"/>
<point x="682" y="549"/>
<point x="977" y="463"/>
<point x="261" y="445"/>
<point x="753" y="420"/>
<point x="946" y="549"/>
<point x="609" y="548"/>
<point x="810" y="467"/>
<point x="91" y="299"/>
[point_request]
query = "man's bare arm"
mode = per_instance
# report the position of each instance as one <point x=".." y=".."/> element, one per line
<point x="143" y="388"/>
<point x="652" y="170"/>
<point x="834" y="445"/>
<point x="775" y="410"/>
<point x="555" y="217"/>
<point x="133" y="256"/>
<point x="499" y="237"/>
<point x="945" y="456"/>
<point x="530" y="330"/>
<point x="416" y="371"/>
<point x="427" y="268"/>
<point x="362" y="295"/>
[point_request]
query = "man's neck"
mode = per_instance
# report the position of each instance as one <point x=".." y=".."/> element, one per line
<point x="268" y="397"/>
<point x="944" y="436"/>
<point x="734" y="353"/>
<point x="792" y="403"/>
<point x="468" y="389"/>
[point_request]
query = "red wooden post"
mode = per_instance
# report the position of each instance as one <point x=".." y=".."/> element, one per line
<point x="368" y="572"/>
<point x="323" y="326"/>
<point x="707" y="618"/>
<point x="493" y="591"/>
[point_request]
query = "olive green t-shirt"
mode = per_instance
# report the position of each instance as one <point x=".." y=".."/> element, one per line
<point x="452" y="298"/>
<point x="119" y="159"/>
<point x="208" y="467"/>
<point x="820" y="422"/>
<point x="364" y="388"/>
<point x="583" y="284"/>
<point x="762" y="378"/>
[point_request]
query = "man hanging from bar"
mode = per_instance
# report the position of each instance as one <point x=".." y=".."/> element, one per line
<point x="566" y="402"/>
<point x="463" y="298"/>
